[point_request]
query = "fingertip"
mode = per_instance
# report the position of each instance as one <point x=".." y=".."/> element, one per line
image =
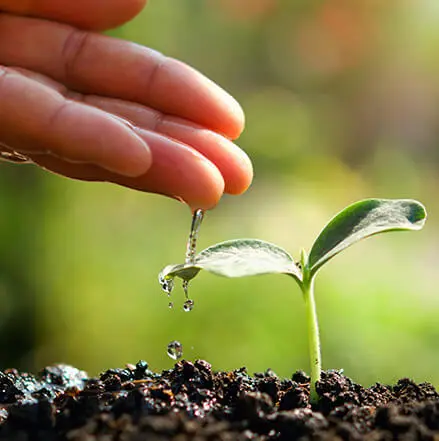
<point x="137" y="160"/>
<point x="243" y="174"/>
<point x="120" y="13"/>
<point x="237" y="119"/>
<point x="132" y="159"/>
<point x="233" y="163"/>
<point x="101" y="15"/>
<point x="207" y="196"/>
<point x="209" y="105"/>
<point x="204" y="193"/>
<point x="81" y="133"/>
<point x="179" y="172"/>
<point x="95" y="15"/>
<point x="230" y="117"/>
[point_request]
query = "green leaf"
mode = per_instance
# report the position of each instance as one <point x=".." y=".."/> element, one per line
<point x="236" y="258"/>
<point x="363" y="219"/>
<point x="247" y="257"/>
<point x="185" y="271"/>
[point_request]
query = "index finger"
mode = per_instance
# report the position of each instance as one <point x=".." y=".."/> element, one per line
<point x="85" y="14"/>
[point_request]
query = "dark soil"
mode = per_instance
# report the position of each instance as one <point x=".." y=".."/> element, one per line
<point x="191" y="402"/>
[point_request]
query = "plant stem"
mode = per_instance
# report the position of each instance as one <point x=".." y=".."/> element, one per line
<point x="313" y="335"/>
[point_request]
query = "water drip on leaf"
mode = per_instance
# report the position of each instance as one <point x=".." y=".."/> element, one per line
<point x="166" y="281"/>
<point x="167" y="284"/>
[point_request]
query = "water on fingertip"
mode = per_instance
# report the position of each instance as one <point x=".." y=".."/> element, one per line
<point x="175" y="350"/>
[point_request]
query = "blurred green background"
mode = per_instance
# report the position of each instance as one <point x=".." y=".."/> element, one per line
<point x="342" y="103"/>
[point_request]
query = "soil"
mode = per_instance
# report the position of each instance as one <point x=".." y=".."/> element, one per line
<point x="191" y="402"/>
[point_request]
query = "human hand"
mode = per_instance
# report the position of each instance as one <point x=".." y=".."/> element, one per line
<point x="95" y="108"/>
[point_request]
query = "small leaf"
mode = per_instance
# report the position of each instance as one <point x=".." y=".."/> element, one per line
<point x="185" y="271"/>
<point x="363" y="219"/>
<point x="236" y="258"/>
<point x="247" y="257"/>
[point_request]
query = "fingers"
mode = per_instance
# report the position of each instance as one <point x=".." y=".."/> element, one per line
<point x="233" y="164"/>
<point x="100" y="65"/>
<point x="36" y="119"/>
<point x="61" y="135"/>
<point x="85" y="14"/>
<point x="177" y="171"/>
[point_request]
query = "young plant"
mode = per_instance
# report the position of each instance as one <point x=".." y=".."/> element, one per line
<point x="249" y="257"/>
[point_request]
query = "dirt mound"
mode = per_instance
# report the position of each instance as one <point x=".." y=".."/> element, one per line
<point x="191" y="402"/>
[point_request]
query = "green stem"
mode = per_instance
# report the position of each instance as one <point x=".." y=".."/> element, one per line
<point x="313" y="335"/>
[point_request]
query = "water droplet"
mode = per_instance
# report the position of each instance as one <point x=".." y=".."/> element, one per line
<point x="185" y="286"/>
<point x="167" y="284"/>
<point x="175" y="350"/>
<point x="167" y="281"/>
<point x="188" y="305"/>
<point x="171" y="305"/>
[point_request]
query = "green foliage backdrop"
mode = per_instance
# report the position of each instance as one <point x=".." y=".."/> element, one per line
<point x="342" y="103"/>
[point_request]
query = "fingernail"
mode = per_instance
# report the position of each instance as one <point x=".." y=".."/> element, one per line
<point x="134" y="158"/>
<point x="137" y="159"/>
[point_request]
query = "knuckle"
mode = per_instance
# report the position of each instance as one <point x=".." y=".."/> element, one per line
<point x="158" y="121"/>
<point x="74" y="45"/>
<point x="159" y="63"/>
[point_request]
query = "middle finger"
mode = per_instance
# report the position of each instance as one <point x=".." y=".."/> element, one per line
<point x="96" y="64"/>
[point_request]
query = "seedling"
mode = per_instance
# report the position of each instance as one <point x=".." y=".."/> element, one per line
<point x="250" y="257"/>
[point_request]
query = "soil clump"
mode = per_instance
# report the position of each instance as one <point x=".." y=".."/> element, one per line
<point x="192" y="402"/>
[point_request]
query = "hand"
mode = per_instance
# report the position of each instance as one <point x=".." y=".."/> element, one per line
<point x="95" y="108"/>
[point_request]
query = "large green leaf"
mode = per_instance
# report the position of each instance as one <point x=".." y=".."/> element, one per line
<point x="363" y="219"/>
<point x="236" y="258"/>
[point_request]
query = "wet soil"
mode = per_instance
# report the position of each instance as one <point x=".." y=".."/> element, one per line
<point x="192" y="402"/>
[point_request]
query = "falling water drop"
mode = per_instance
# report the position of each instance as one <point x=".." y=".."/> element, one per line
<point x="175" y="350"/>
<point x="191" y="246"/>
<point x="185" y="285"/>
<point x="188" y="305"/>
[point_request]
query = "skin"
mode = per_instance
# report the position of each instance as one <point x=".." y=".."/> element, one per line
<point x="95" y="108"/>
